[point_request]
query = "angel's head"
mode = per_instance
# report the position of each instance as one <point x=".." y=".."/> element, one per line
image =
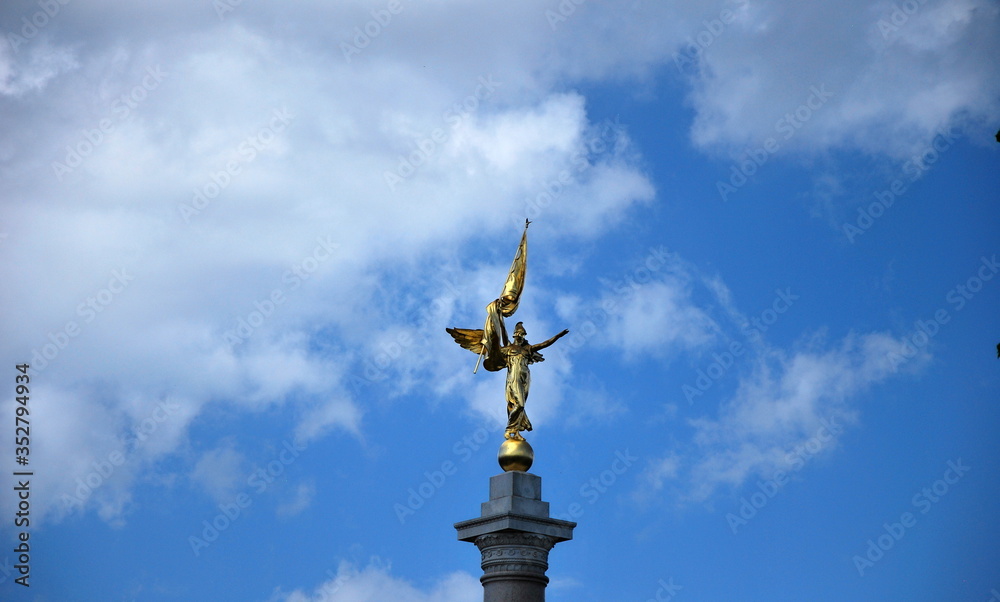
<point x="519" y="333"/>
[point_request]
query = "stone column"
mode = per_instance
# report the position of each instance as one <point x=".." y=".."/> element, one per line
<point x="514" y="534"/>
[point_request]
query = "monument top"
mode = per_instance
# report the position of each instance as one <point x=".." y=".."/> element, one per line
<point x="515" y="504"/>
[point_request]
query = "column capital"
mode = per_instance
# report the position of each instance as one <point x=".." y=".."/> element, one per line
<point x="511" y="555"/>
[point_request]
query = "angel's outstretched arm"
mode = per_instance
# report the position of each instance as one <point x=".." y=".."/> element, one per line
<point x="545" y="344"/>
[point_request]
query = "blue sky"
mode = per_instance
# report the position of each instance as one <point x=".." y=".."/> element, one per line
<point x="234" y="233"/>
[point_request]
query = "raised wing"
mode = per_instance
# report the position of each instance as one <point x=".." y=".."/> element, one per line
<point x="468" y="338"/>
<point x="472" y="339"/>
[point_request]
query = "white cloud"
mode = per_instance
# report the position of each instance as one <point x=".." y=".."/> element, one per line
<point x="375" y="583"/>
<point x="658" y="317"/>
<point x="300" y="499"/>
<point x="658" y="473"/>
<point x="783" y="398"/>
<point x="32" y="70"/>
<point x="322" y="417"/>
<point x="785" y="402"/>
<point x="649" y="309"/>
<point x="220" y="472"/>
<point x="762" y="67"/>
<point x="85" y="467"/>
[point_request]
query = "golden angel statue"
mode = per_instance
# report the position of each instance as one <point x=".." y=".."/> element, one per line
<point x="497" y="352"/>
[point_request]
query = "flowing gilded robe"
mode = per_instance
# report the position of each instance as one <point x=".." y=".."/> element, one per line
<point x="518" y="383"/>
<point x="518" y="355"/>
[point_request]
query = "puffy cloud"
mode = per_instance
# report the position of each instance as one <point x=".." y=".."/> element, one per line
<point x="786" y="401"/>
<point x="31" y="71"/>
<point x="208" y="217"/>
<point x="647" y="309"/>
<point x="220" y="472"/>
<point x="758" y="77"/>
<point x="375" y="582"/>
<point x="790" y="407"/>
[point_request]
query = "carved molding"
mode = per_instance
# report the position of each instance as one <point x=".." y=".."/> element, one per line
<point x="514" y="538"/>
<point x="515" y="555"/>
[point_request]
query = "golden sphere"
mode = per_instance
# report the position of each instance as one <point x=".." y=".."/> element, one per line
<point x="515" y="455"/>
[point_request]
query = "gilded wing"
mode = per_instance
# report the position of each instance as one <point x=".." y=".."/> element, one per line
<point x="471" y="339"/>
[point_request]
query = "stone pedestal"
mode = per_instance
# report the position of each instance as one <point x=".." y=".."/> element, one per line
<point x="514" y="534"/>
